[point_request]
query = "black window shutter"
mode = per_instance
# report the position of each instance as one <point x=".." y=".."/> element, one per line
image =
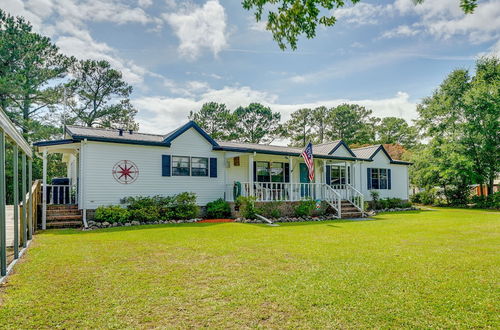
<point x="287" y="171"/>
<point x="213" y="167"/>
<point x="369" y="178"/>
<point x="254" y="172"/>
<point x="389" y="179"/>
<point x="165" y="165"/>
<point x="328" y="169"/>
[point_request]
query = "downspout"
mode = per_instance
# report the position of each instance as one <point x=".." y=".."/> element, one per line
<point x="82" y="183"/>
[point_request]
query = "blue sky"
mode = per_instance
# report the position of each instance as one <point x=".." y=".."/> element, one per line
<point x="386" y="55"/>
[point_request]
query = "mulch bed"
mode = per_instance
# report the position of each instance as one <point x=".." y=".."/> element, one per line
<point x="216" y="220"/>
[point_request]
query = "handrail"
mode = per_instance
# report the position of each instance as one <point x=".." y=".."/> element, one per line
<point x="33" y="204"/>
<point x="356" y="197"/>
<point x="335" y="199"/>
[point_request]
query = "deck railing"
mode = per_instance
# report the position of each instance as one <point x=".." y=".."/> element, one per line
<point x="60" y="194"/>
<point x="20" y="147"/>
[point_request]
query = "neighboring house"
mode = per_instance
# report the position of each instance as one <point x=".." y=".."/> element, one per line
<point x="106" y="165"/>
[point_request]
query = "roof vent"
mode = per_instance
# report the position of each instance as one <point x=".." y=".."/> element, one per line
<point x="130" y="131"/>
<point x="120" y="132"/>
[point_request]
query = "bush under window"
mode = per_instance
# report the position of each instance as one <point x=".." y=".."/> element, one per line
<point x="218" y="209"/>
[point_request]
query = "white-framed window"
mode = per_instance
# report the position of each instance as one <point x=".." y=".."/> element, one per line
<point x="270" y="171"/>
<point x="379" y="178"/>
<point x="199" y="166"/>
<point x="181" y="166"/>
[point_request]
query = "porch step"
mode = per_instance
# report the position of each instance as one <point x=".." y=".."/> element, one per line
<point x="53" y="212"/>
<point x="349" y="215"/>
<point x="64" y="216"/>
<point x="64" y="224"/>
<point x="62" y="207"/>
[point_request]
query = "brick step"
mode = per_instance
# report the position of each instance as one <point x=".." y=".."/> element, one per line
<point x="346" y="215"/>
<point x="350" y="210"/>
<point x="62" y="207"/>
<point x="64" y="224"/>
<point x="63" y="212"/>
<point x="56" y="218"/>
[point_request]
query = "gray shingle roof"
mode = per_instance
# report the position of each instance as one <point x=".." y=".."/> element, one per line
<point x="112" y="134"/>
<point x="318" y="149"/>
<point x="103" y="134"/>
<point x="365" y="152"/>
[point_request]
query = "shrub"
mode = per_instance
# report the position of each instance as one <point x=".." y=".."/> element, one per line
<point x="185" y="206"/>
<point x="305" y="208"/>
<point x="112" y="213"/>
<point x="428" y="197"/>
<point x="270" y="209"/>
<point x="218" y="209"/>
<point x="145" y="214"/>
<point x="416" y="198"/>
<point x="486" y="202"/>
<point x="247" y="206"/>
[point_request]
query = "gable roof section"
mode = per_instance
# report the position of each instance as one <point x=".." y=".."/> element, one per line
<point x="342" y="143"/>
<point x="366" y="152"/>
<point x="370" y="151"/>
<point x="174" y="134"/>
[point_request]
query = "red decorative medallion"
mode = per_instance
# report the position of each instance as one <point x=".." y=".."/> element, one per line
<point x="125" y="172"/>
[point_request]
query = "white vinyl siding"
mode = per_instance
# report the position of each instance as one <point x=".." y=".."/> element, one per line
<point x="102" y="189"/>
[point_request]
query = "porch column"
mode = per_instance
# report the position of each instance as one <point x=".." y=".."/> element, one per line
<point x="3" y="231"/>
<point x="250" y="174"/>
<point x="24" y="225"/>
<point x="30" y="199"/>
<point x="44" y="187"/>
<point x="15" y="169"/>
<point x="290" y="165"/>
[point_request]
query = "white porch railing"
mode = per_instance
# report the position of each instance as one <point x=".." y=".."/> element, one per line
<point x="287" y="192"/>
<point x="60" y="194"/>
<point x="351" y="194"/>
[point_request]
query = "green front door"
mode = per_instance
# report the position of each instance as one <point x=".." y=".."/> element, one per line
<point x="304" y="178"/>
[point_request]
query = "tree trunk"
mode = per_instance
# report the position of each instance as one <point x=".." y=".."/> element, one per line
<point x="26" y="114"/>
<point x="491" y="184"/>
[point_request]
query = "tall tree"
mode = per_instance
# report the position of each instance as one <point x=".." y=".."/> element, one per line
<point x="393" y="130"/>
<point x="352" y="123"/>
<point x="30" y="69"/>
<point x="320" y="119"/>
<point x="299" y="128"/>
<point x="257" y="123"/>
<point x="289" y="19"/>
<point x="482" y="125"/>
<point x="463" y="114"/>
<point x="100" y="96"/>
<point x="216" y="120"/>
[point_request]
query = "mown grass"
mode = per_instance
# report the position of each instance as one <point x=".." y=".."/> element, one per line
<point x="419" y="269"/>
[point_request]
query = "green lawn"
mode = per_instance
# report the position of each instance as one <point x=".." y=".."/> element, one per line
<point x="419" y="269"/>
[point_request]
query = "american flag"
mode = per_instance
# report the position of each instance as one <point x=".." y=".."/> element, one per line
<point x="307" y="154"/>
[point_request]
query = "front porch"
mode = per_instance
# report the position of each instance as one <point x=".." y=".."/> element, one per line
<point x="271" y="178"/>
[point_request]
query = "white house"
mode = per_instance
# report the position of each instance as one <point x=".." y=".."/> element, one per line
<point x="106" y="165"/>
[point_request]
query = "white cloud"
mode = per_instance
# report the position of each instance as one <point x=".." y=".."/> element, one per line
<point x="144" y="3"/>
<point x="199" y="27"/>
<point x="65" y="21"/>
<point x="445" y="19"/>
<point x="363" y="13"/>
<point x="163" y="114"/>
<point x="401" y="31"/>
